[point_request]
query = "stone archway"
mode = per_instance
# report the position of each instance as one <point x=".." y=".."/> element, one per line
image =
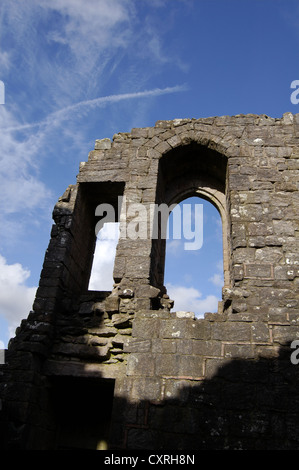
<point x="189" y="170"/>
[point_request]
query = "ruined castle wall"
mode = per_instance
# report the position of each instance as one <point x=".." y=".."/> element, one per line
<point x="222" y="381"/>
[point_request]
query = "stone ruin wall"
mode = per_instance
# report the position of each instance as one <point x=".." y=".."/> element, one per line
<point x="222" y="381"/>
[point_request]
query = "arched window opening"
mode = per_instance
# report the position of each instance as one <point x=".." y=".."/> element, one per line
<point x="194" y="257"/>
<point x="101" y="277"/>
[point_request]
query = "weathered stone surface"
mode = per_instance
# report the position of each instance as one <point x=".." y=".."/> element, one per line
<point x="103" y="144"/>
<point x="81" y="350"/>
<point x="112" y="303"/>
<point x="121" y="320"/>
<point x="228" y="380"/>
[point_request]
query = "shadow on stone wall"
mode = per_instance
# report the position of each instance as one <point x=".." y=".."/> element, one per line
<point x="249" y="404"/>
<point x="245" y="405"/>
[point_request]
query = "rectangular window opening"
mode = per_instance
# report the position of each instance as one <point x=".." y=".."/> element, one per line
<point x="82" y="412"/>
<point x="101" y="276"/>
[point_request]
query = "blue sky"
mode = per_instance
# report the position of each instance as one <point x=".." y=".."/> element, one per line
<point x="75" y="71"/>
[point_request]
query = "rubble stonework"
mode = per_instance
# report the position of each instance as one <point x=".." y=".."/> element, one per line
<point x="170" y="380"/>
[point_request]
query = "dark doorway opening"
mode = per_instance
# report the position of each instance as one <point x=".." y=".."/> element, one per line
<point x="82" y="412"/>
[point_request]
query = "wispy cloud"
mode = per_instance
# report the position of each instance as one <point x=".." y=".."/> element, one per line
<point x="72" y="50"/>
<point x="61" y="60"/>
<point x="20" y="187"/>
<point x="4" y="60"/>
<point x="83" y="107"/>
<point x="95" y="21"/>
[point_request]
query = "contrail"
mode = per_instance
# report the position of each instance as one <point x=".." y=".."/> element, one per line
<point x="61" y="114"/>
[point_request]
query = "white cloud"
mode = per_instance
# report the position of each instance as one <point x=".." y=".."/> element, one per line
<point x="72" y="51"/>
<point x="59" y="55"/>
<point x="189" y="299"/>
<point x="217" y="278"/>
<point x="20" y="187"/>
<point x="22" y="191"/>
<point x="24" y="197"/>
<point x="92" y="37"/>
<point x="94" y="21"/>
<point x="101" y="277"/>
<point x="59" y="49"/>
<point x="73" y="48"/>
<point x="16" y="298"/>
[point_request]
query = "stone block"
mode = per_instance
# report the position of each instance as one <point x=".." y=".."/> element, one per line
<point x="240" y="182"/>
<point x="147" y="388"/>
<point x="238" y="272"/>
<point x="225" y="332"/>
<point x="263" y="271"/>
<point x="177" y="391"/>
<point x="182" y="314"/>
<point x="139" y="132"/>
<point x="103" y="144"/>
<point x="191" y="366"/>
<point x="269" y="254"/>
<point x="174" y="141"/>
<point x="285" y="334"/>
<point x="82" y="350"/>
<point x="121" y="320"/>
<point x="198" y="329"/>
<point x="146" y="328"/>
<point x="261" y="333"/>
<point x="164" y="346"/>
<point x="143" y="304"/>
<point x="119" y="268"/>
<point x="259" y="228"/>
<point x="112" y="304"/>
<point x="283" y="227"/>
<point x="135" y="345"/>
<point x="167" y="365"/>
<point x="206" y="348"/>
<point x="184" y="346"/>
<point x="173" y="328"/>
<point x="141" y="364"/>
<point x="214" y="366"/>
<point x="146" y="290"/>
<point x="137" y="267"/>
<point x="242" y="255"/>
<point x="237" y="351"/>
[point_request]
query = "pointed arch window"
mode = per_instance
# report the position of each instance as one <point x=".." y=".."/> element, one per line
<point x="195" y="171"/>
<point x="194" y="257"/>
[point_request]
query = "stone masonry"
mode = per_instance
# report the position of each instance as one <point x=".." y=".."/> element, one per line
<point x="139" y="374"/>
